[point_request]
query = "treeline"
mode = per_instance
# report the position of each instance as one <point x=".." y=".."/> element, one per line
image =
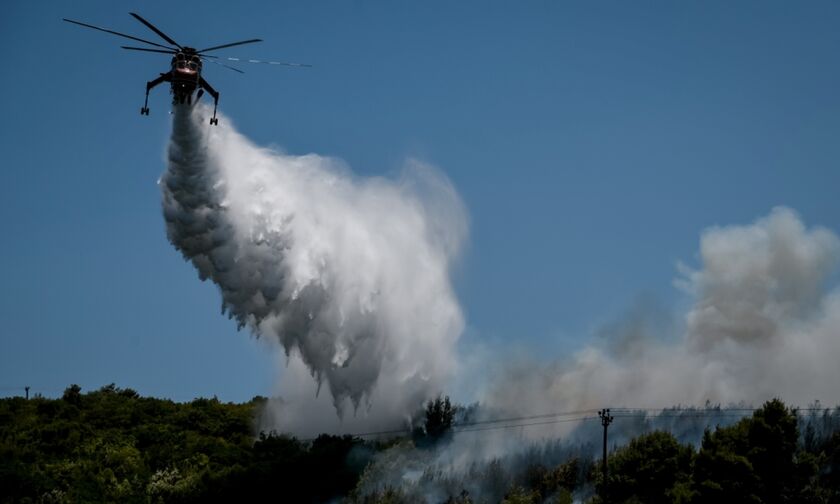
<point x="766" y="458"/>
<point x="762" y="458"/>
<point x="112" y="445"/>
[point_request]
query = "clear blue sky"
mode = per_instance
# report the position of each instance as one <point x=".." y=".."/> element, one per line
<point x="591" y="142"/>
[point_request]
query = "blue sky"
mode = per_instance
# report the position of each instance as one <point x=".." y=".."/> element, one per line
<point x="591" y="142"/>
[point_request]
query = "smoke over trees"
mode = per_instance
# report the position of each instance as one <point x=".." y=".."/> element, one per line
<point x="113" y="445"/>
<point x="760" y="458"/>
<point x="351" y="278"/>
<point x="762" y="323"/>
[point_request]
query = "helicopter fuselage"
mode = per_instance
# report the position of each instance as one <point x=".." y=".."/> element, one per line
<point x="185" y="75"/>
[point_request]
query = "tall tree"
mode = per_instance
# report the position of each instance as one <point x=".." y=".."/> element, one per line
<point x="755" y="460"/>
<point x="652" y="468"/>
<point x="439" y="416"/>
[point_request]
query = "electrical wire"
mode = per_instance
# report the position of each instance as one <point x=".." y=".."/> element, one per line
<point x="623" y="412"/>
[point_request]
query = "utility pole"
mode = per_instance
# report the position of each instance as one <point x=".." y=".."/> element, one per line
<point x="27" y="392"/>
<point x="606" y="420"/>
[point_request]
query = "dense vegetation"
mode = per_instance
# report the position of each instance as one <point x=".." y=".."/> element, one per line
<point x="115" y="446"/>
<point x="112" y="445"/>
<point x="760" y="459"/>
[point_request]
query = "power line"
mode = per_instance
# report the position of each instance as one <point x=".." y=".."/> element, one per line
<point x="468" y="427"/>
<point x="464" y="426"/>
<point x="530" y="417"/>
<point x="512" y="426"/>
<point x="684" y="415"/>
<point x="720" y="409"/>
<point x="617" y="413"/>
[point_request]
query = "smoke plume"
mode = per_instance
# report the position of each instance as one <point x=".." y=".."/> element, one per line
<point x="351" y="276"/>
<point x="762" y="324"/>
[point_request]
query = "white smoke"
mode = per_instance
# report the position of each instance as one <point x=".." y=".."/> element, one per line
<point x="351" y="276"/>
<point x="762" y="325"/>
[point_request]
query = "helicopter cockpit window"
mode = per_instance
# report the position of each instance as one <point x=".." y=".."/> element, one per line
<point x="193" y="66"/>
<point x="179" y="56"/>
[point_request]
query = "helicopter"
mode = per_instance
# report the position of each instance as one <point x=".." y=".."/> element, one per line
<point x="184" y="75"/>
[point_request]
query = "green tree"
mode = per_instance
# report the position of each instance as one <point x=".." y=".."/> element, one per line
<point x="72" y="395"/>
<point x="547" y="482"/>
<point x="755" y="460"/>
<point x="519" y="495"/>
<point x="721" y="473"/>
<point x="650" y="469"/>
<point x="439" y="416"/>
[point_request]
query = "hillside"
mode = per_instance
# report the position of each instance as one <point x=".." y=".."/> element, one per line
<point x="112" y="445"/>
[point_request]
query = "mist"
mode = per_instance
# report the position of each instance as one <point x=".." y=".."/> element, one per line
<point x="349" y="275"/>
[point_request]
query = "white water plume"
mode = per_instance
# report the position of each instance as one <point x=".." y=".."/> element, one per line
<point x="350" y="275"/>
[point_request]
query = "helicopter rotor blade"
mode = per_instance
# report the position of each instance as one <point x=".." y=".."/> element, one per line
<point x="173" y="51"/>
<point x="251" y="41"/>
<point x="112" y="32"/>
<point x="154" y="29"/>
<point x="244" y="60"/>
<point x="222" y="64"/>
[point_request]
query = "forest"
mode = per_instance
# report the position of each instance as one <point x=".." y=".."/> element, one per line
<point x="113" y="445"/>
